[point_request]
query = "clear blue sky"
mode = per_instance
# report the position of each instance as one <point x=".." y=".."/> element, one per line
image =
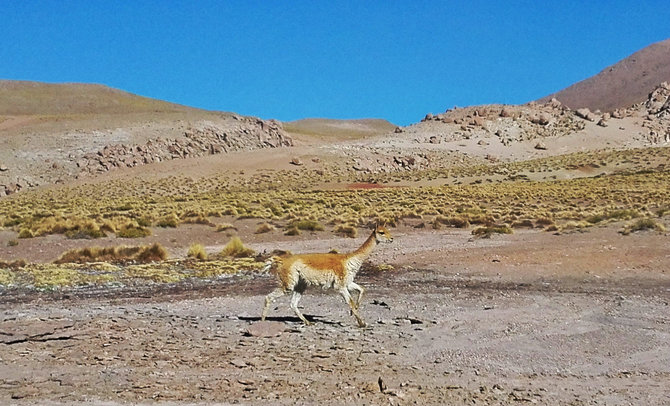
<point x="339" y="59"/>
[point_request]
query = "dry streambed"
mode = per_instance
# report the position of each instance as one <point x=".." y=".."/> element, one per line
<point x="462" y="339"/>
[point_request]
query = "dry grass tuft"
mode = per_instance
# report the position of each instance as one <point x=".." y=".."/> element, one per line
<point x="132" y="231"/>
<point x="264" y="228"/>
<point x="488" y="231"/>
<point x="147" y="253"/>
<point x="347" y="230"/>
<point x="197" y="251"/>
<point x="642" y="225"/>
<point x="236" y="249"/>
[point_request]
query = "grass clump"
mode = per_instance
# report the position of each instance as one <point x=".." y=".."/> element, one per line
<point x="197" y="251"/>
<point x="171" y="221"/>
<point x="147" y="253"/>
<point x="25" y="233"/>
<point x="488" y="231"/>
<point x="347" y="230"/>
<point x="292" y="231"/>
<point x="6" y="277"/>
<point x="225" y="227"/>
<point x="616" y="215"/>
<point x="236" y="249"/>
<point x="642" y="225"/>
<point x="264" y="228"/>
<point x="132" y="231"/>
<point x="308" y="225"/>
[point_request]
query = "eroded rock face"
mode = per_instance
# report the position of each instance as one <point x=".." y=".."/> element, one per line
<point x="201" y="140"/>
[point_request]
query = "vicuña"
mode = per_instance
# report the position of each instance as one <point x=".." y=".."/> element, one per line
<point x="329" y="271"/>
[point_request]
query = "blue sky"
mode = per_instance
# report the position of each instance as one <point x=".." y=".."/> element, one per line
<point x="389" y="59"/>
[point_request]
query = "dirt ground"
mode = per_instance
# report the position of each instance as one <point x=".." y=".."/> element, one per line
<point x="578" y="319"/>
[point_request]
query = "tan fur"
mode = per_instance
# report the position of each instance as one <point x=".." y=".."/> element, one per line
<point x="328" y="271"/>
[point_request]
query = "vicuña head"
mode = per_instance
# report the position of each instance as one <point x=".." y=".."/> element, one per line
<point x="328" y="271"/>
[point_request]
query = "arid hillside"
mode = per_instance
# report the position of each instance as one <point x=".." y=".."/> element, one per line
<point x="19" y="97"/>
<point x="321" y="129"/>
<point x="621" y="85"/>
<point x="56" y="133"/>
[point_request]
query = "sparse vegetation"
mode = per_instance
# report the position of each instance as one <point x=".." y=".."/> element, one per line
<point x="347" y="230"/>
<point x="236" y="249"/>
<point x="264" y="228"/>
<point x="147" y="253"/>
<point x="133" y="232"/>
<point x="488" y="231"/>
<point x="642" y="225"/>
<point x="197" y="251"/>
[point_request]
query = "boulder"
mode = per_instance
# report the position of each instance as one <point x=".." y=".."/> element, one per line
<point x="586" y="114"/>
<point x="265" y="329"/>
<point x="506" y="112"/>
<point x="541" y="146"/>
<point x="3" y="168"/>
<point x="296" y="161"/>
<point x="477" y="121"/>
<point x="434" y="140"/>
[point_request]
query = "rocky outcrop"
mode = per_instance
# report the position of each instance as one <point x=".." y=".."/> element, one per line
<point x="204" y="139"/>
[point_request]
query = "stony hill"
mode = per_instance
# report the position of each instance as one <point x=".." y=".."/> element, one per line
<point x="621" y="85"/>
<point x="53" y="133"/>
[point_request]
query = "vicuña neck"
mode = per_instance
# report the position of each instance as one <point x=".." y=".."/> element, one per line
<point x="367" y="247"/>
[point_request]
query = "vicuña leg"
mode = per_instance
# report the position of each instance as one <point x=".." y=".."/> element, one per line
<point x="279" y="292"/>
<point x="350" y="301"/>
<point x="359" y="288"/>
<point x="294" y="305"/>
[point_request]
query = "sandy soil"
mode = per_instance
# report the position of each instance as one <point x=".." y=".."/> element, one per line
<point x="531" y="317"/>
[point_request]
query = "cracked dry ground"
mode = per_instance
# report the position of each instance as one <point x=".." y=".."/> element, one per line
<point x="435" y="336"/>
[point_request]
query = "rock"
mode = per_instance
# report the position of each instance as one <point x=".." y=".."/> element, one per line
<point x="477" y="121"/>
<point x="617" y="114"/>
<point x="265" y="329"/>
<point x="398" y="130"/>
<point x="3" y="168"/>
<point x="602" y="122"/>
<point x="296" y="161"/>
<point x="434" y="140"/>
<point x="544" y="119"/>
<point x="540" y="145"/>
<point x="586" y="114"/>
<point x="482" y="142"/>
<point x="506" y="112"/>
<point x="555" y="103"/>
<point x="428" y="117"/>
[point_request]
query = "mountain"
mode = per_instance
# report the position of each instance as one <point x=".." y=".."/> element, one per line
<point x="621" y="85"/>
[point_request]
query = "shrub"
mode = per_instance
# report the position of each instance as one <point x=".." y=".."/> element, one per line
<point x="12" y="243"/>
<point x="197" y="251"/>
<point x="236" y="249"/>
